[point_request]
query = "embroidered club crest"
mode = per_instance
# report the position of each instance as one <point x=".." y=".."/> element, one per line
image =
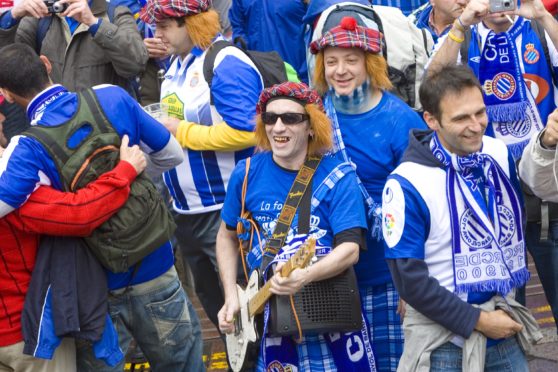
<point x="516" y="128"/>
<point x="503" y="86"/>
<point x="473" y="233"/>
<point x="531" y="55"/>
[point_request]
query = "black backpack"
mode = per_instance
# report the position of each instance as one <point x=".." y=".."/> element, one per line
<point x="271" y="66"/>
<point x="144" y="223"/>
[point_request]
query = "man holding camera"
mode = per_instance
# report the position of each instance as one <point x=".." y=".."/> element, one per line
<point x="514" y="56"/>
<point x="84" y="47"/>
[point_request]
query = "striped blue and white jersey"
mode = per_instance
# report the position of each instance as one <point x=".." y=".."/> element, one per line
<point x="198" y="185"/>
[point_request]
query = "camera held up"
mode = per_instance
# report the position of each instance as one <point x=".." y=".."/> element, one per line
<point x="53" y="6"/>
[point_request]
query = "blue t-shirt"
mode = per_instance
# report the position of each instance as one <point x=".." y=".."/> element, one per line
<point x="340" y="209"/>
<point x="375" y="142"/>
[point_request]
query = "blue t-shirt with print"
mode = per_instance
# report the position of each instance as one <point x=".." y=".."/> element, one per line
<point x="375" y="142"/>
<point x="341" y="208"/>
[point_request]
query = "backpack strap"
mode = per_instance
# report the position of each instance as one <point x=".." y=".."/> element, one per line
<point x="42" y="29"/>
<point x="100" y="119"/>
<point x="464" y="48"/>
<point x="209" y="62"/>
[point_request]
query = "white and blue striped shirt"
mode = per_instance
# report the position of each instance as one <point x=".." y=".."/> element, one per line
<point x="199" y="184"/>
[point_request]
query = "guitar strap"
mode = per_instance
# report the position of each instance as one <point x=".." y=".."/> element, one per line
<point x="297" y="191"/>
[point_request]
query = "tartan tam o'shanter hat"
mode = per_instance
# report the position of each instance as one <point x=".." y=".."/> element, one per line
<point x="290" y="90"/>
<point x="349" y="35"/>
<point x="157" y="10"/>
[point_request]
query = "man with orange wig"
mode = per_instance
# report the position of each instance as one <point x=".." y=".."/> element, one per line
<point x="214" y="123"/>
<point x="293" y="130"/>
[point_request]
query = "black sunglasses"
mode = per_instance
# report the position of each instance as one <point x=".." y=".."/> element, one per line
<point x="287" y="118"/>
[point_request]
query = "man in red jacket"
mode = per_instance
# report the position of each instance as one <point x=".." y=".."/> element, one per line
<point x="52" y="212"/>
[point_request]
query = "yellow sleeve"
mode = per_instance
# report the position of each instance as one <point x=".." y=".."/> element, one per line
<point x="218" y="137"/>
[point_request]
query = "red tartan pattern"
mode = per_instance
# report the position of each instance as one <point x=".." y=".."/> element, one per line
<point x="157" y="10"/>
<point x="299" y="91"/>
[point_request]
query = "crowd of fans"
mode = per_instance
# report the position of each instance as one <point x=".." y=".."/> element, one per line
<point x="421" y="218"/>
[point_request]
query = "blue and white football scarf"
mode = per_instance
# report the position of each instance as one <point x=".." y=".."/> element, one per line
<point x="486" y="223"/>
<point x="515" y="114"/>
<point x="374" y="209"/>
<point x="279" y="353"/>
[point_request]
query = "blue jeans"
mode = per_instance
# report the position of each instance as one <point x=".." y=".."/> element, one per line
<point x="162" y="320"/>
<point x="506" y="356"/>
<point x="545" y="255"/>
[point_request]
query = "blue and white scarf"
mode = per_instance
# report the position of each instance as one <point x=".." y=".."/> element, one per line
<point x="374" y="209"/>
<point x="514" y="112"/>
<point x="486" y="223"/>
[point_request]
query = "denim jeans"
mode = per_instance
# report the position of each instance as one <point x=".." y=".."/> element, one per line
<point x="545" y="255"/>
<point x="162" y="320"/>
<point x="506" y="356"/>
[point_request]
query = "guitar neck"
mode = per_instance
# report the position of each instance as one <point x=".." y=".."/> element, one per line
<point x="257" y="303"/>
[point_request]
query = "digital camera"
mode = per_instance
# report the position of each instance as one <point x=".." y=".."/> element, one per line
<point x="501" y="5"/>
<point x="53" y="6"/>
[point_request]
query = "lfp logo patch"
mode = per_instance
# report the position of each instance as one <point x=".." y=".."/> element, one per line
<point x="531" y="55"/>
<point x="393" y="213"/>
<point x="389" y="223"/>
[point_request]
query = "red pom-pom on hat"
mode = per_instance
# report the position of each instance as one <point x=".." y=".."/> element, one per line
<point x="348" y="23"/>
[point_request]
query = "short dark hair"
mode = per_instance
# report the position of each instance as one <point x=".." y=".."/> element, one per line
<point x="21" y="70"/>
<point x="445" y="80"/>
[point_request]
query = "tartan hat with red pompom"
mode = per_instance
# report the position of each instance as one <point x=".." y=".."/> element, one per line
<point x="349" y="35"/>
<point x="157" y="10"/>
<point x="300" y="92"/>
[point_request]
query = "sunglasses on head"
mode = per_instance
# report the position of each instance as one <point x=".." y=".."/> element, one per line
<point x="287" y="118"/>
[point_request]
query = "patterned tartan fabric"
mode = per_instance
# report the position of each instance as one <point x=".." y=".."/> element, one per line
<point x="313" y="356"/>
<point x="349" y="35"/>
<point x="380" y="305"/>
<point x="156" y="10"/>
<point x="298" y="91"/>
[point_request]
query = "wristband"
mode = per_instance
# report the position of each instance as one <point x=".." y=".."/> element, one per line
<point x="463" y="28"/>
<point x="458" y="40"/>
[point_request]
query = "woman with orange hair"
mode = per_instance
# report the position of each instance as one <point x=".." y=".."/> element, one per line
<point x="294" y="132"/>
<point x="371" y="129"/>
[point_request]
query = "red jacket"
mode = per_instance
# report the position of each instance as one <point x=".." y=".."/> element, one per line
<point x="48" y="211"/>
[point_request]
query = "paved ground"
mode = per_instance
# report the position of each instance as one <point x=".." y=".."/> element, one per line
<point x="543" y="359"/>
<point x="545" y="353"/>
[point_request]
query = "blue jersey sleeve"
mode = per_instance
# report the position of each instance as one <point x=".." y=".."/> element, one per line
<point x="232" y="206"/>
<point x="7" y="21"/>
<point x="346" y="206"/>
<point x="236" y="88"/>
<point x="25" y="165"/>
<point x="127" y="117"/>
<point x="405" y="219"/>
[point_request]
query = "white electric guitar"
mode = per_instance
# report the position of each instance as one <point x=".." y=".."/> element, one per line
<point x="243" y="343"/>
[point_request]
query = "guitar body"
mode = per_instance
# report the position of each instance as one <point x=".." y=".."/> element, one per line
<point x="243" y="344"/>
